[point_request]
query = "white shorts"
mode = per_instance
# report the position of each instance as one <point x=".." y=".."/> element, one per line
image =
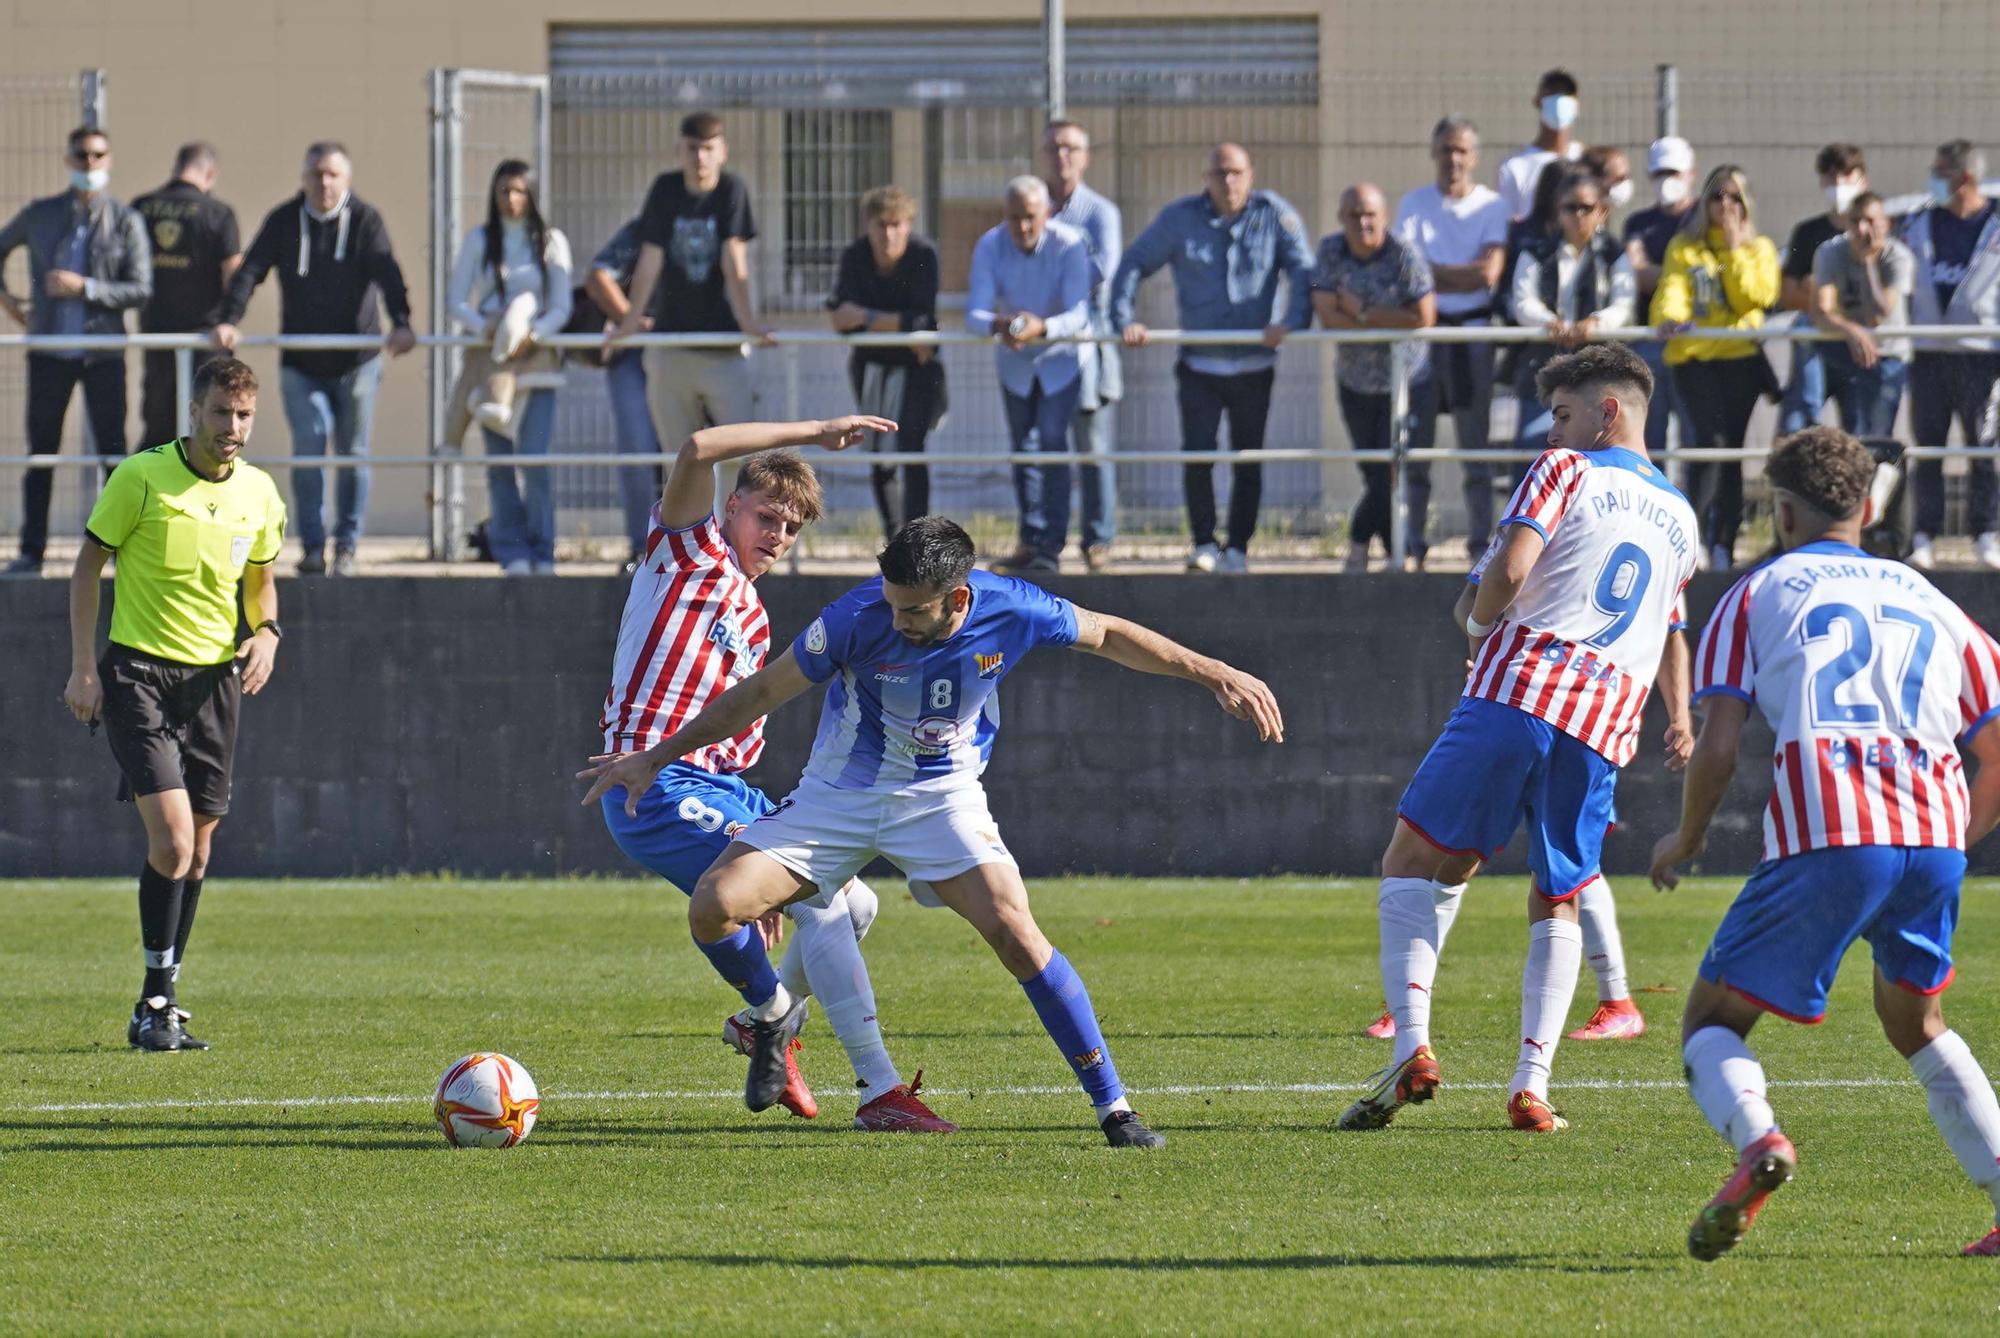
<point x="827" y="835"/>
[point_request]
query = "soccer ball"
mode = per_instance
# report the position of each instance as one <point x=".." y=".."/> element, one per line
<point x="486" y="1100"/>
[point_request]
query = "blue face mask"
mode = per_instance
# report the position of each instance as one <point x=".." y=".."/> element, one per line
<point x="1940" y="190"/>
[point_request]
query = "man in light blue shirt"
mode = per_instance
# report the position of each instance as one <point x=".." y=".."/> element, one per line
<point x="1065" y="158"/>
<point x="1228" y="247"/>
<point x="1031" y="280"/>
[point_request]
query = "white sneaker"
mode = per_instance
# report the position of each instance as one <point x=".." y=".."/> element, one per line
<point x="540" y="568"/>
<point x="1988" y="545"/>
<point x="1921" y="556"/>
<point x="1204" y="557"/>
<point x="1236" y="562"/>
<point x="518" y="567"/>
<point x="1720" y="558"/>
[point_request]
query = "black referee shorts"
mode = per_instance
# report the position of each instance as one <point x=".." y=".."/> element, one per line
<point x="172" y="726"/>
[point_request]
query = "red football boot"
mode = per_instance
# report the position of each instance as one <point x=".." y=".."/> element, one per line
<point x="1985" y="1247"/>
<point x="797" y="1097"/>
<point x="1415" y="1079"/>
<point x="1618" y="1020"/>
<point x="1764" y="1165"/>
<point x="1382" y="1028"/>
<point x="897" y="1111"/>
<point x="1530" y="1114"/>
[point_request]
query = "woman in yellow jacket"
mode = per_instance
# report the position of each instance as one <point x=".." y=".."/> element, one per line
<point x="1718" y="272"/>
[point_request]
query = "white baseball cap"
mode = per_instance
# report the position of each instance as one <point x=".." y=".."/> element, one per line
<point x="1670" y="153"/>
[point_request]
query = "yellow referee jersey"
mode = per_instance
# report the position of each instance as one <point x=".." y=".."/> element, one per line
<point x="182" y="542"/>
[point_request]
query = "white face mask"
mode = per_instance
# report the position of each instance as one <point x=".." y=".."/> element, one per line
<point x="1940" y="190"/>
<point x="1673" y="190"/>
<point x="1559" y="111"/>
<point x="1841" y="194"/>
<point x="97" y="178"/>
<point x="1620" y="193"/>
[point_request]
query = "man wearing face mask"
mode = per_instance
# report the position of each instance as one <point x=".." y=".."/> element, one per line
<point x="1843" y="175"/>
<point x="331" y="251"/>
<point x="1670" y="164"/>
<point x="1957" y="245"/>
<point x="88" y="264"/>
<point x="1608" y="163"/>
<point x="1556" y="103"/>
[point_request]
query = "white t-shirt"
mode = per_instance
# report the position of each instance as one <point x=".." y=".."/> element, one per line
<point x="1519" y="174"/>
<point x="1453" y="232"/>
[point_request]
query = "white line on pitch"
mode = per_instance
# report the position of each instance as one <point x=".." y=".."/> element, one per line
<point x="1177" y="1089"/>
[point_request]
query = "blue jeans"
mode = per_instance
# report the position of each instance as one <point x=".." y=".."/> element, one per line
<point x="1098" y="483"/>
<point x="638" y="485"/>
<point x="340" y="409"/>
<point x="1868" y="396"/>
<point x="1805" y="394"/>
<point x="1666" y="404"/>
<point x="1042" y="491"/>
<point x="523" y="531"/>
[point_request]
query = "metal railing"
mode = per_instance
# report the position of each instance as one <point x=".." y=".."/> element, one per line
<point x="450" y="457"/>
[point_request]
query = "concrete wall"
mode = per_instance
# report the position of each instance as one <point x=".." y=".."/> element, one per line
<point x="434" y="725"/>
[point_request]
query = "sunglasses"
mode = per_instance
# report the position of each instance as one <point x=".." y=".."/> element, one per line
<point x="1719" y="196"/>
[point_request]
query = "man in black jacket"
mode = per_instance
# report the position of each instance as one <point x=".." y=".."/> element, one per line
<point x="331" y="251"/>
<point x="88" y="264"/>
<point x="196" y="251"/>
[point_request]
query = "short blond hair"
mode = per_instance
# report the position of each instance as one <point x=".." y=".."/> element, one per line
<point x="890" y="203"/>
<point x="785" y="478"/>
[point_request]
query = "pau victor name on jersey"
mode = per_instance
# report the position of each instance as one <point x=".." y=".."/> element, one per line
<point x="1647" y="506"/>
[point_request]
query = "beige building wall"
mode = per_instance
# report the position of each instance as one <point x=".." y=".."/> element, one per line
<point x="263" y="79"/>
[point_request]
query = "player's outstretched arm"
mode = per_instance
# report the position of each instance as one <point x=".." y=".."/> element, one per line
<point x="1124" y="642"/>
<point x="726" y="717"/>
<point x="1985" y="812"/>
<point x="1703" y="787"/>
<point x="690" y="492"/>
<point x="1673" y="685"/>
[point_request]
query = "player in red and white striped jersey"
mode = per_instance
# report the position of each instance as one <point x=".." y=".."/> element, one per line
<point x="1874" y="684"/>
<point x="1572" y="614"/>
<point x="694" y="626"/>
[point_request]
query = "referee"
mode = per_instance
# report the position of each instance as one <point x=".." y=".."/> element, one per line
<point x="191" y="523"/>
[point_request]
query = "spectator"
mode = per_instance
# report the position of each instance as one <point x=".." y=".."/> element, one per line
<point x="608" y="288"/>
<point x="1460" y="228"/>
<point x="510" y="284"/>
<point x="335" y="270"/>
<point x="1532" y="229"/>
<point x="1843" y="175"/>
<point x="1229" y="246"/>
<point x="1031" y="280"/>
<point x="1065" y="158"/>
<point x="1367" y="278"/>
<point x="1572" y="285"/>
<point x="1670" y="163"/>
<point x="1864" y="278"/>
<point x="1719" y="273"/>
<point x="196" y="251"/>
<point x="1556" y="103"/>
<point x="693" y="277"/>
<point x="1956" y="242"/>
<point x="88" y="264"/>
<point x="1608" y="163"/>
<point x="888" y="284"/>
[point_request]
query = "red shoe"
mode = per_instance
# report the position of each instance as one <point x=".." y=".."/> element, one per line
<point x="1382" y="1028"/>
<point x="1986" y="1246"/>
<point x="1531" y="1114"/>
<point x="797" y="1097"/>
<point x="1618" y="1020"/>
<point x="897" y="1111"/>
<point x="1415" y="1079"/>
<point x="1764" y="1165"/>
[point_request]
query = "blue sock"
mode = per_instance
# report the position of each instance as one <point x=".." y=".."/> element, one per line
<point x="1063" y="1004"/>
<point x="740" y="959"/>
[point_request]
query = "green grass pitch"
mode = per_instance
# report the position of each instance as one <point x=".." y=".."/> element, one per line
<point x="291" y="1179"/>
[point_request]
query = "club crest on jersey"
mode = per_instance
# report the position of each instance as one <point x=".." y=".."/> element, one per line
<point x="989" y="665"/>
<point x="816" y="637"/>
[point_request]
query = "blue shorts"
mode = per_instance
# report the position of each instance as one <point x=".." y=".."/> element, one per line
<point x="1494" y="766"/>
<point x="686" y="818"/>
<point x="1784" y="936"/>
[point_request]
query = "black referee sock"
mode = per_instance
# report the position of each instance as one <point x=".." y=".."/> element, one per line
<point x="159" y="921"/>
<point x="190" y="899"/>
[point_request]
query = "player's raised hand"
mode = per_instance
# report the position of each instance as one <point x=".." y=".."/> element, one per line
<point x="1680" y="744"/>
<point x="607" y="771"/>
<point x="1668" y="851"/>
<point x="1248" y="698"/>
<point x="837" y="434"/>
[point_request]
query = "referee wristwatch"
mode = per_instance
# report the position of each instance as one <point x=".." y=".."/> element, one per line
<point x="270" y="625"/>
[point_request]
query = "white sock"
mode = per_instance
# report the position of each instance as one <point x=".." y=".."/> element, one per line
<point x="1447" y="901"/>
<point x="1727" y="1082"/>
<point x="775" y="1007"/>
<point x="1963" y="1105"/>
<point x="1602" y="947"/>
<point x="830" y="957"/>
<point x="1548" y="983"/>
<point x="1106" y="1112"/>
<point x="862" y="906"/>
<point x="1408" y="914"/>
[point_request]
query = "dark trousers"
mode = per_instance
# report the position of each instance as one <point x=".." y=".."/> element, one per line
<point x="1370" y="420"/>
<point x="162" y="411"/>
<point x="901" y="494"/>
<point x="1204" y="398"/>
<point x="1717" y="398"/>
<point x="1944" y="386"/>
<point x="50" y="384"/>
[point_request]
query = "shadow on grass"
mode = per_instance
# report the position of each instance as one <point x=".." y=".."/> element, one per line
<point x="1301" y="1263"/>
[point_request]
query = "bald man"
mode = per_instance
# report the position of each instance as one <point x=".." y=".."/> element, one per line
<point x="1229" y="246"/>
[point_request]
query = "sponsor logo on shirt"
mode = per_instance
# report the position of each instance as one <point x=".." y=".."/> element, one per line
<point x="727" y="633"/>
<point x="989" y="665"/>
<point x="934" y="735"/>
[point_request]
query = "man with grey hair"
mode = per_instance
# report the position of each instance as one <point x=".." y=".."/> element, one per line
<point x="331" y="251"/>
<point x="1957" y="245"/>
<point x="1460" y="228"/>
<point x="1031" y="281"/>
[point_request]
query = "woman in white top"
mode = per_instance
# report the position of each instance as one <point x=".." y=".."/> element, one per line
<point x="1572" y="284"/>
<point x="513" y="275"/>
